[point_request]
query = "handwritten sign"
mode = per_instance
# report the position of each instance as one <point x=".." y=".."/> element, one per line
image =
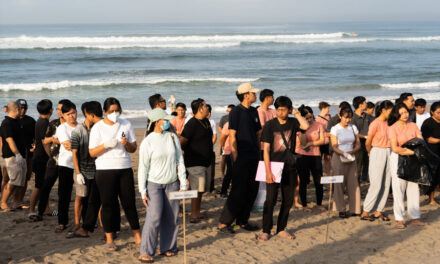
<point x="332" y="179"/>
<point x="183" y="195"/>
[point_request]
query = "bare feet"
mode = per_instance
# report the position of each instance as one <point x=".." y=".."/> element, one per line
<point x="417" y="222"/>
<point x="263" y="237"/>
<point x="298" y="205"/>
<point x="434" y="203"/>
<point x="286" y="235"/>
<point x="400" y="225"/>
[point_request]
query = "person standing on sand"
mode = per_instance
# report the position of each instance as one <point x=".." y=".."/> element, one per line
<point x="157" y="101"/>
<point x="196" y="141"/>
<point x="178" y="122"/>
<point x="244" y="133"/>
<point x="221" y="123"/>
<point x="400" y="131"/>
<point x="214" y="139"/>
<point x="379" y="150"/>
<point x="324" y="118"/>
<point x="159" y="156"/>
<point x="87" y="201"/>
<point x="279" y="137"/>
<point x="111" y="141"/>
<point x="13" y="150"/>
<point x="40" y="157"/>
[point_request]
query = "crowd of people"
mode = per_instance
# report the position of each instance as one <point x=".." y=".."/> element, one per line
<point x="363" y="142"/>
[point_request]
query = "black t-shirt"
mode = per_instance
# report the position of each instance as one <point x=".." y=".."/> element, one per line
<point x="10" y="128"/>
<point x="272" y="134"/>
<point x="41" y="126"/>
<point x="246" y="123"/>
<point x="430" y="128"/>
<point x="198" y="150"/>
<point x="27" y="123"/>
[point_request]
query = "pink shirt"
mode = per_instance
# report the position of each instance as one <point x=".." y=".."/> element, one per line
<point x="378" y="130"/>
<point x="403" y="133"/>
<point x="324" y="122"/>
<point x="312" y="134"/>
<point x="178" y="124"/>
<point x="265" y="115"/>
<point x="227" y="146"/>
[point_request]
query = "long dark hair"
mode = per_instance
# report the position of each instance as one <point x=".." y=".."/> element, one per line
<point x="304" y="110"/>
<point x="395" y="115"/>
<point x="387" y="104"/>
<point x="111" y="101"/>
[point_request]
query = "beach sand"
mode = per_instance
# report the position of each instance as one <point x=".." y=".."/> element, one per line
<point x="350" y="240"/>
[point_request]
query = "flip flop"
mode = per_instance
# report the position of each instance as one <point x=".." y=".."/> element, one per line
<point x="145" y="258"/>
<point x="8" y="210"/>
<point x="35" y="218"/>
<point x="111" y="247"/>
<point x="287" y="236"/>
<point x="73" y="234"/>
<point x="382" y="217"/>
<point x="169" y="253"/>
<point x="400" y="226"/>
<point x="60" y="228"/>
<point x="368" y="218"/>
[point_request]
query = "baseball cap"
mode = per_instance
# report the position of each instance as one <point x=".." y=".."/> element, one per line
<point x="158" y="114"/>
<point x="246" y="88"/>
<point x="22" y="103"/>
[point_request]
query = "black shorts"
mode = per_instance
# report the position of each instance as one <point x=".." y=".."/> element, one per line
<point x="39" y="169"/>
<point x="325" y="149"/>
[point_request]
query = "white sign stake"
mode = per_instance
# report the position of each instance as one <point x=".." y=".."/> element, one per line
<point x="330" y="180"/>
<point x="182" y="196"/>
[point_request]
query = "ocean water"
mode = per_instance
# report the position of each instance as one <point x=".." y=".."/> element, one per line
<point x="307" y="62"/>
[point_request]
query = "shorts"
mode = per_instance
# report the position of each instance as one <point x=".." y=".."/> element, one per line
<point x="199" y="178"/>
<point x="325" y="149"/>
<point x="80" y="189"/>
<point x="39" y="169"/>
<point x="16" y="172"/>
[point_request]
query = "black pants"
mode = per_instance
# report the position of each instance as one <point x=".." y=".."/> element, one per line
<point x="305" y="166"/>
<point x="228" y="176"/>
<point x="435" y="181"/>
<point x="50" y="178"/>
<point x="288" y="183"/>
<point x="111" y="184"/>
<point x="362" y="161"/>
<point x="243" y="192"/>
<point x="211" y="187"/>
<point x="65" y="185"/>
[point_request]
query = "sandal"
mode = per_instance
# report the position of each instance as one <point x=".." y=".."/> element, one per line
<point x="249" y="227"/>
<point x="400" y="225"/>
<point x="194" y="220"/>
<point x="263" y="237"/>
<point x="111" y="246"/>
<point x="368" y="218"/>
<point x="382" y="217"/>
<point x="343" y="215"/>
<point x="74" y="234"/>
<point x="35" y="218"/>
<point x="60" y="228"/>
<point x="145" y="258"/>
<point x="169" y="253"/>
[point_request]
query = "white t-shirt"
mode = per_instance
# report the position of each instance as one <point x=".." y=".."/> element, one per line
<point x="346" y="136"/>
<point x="421" y="118"/>
<point x="117" y="157"/>
<point x="214" y="131"/>
<point x="64" y="133"/>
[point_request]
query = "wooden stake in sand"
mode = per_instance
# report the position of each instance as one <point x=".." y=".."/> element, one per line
<point x="182" y="196"/>
<point x="330" y="180"/>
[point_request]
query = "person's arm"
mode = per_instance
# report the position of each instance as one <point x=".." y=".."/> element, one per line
<point x="400" y="150"/>
<point x="433" y="140"/>
<point x="223" y="139"/>
<point x="368" y="142"/>
<point x="130" y="147"/>
<point x="143" y="169"/>
<point x="181" y="170"/>
<point x="357" y="145"/>
<point x="303" y="124"/>
<point x="75" y="161"/>
<point x="334" y="141"/>
<point x="233" y="142"/>
<point x="270" y="178"/>
<point x="12" y="145"/>
<point x="302" y="140"/>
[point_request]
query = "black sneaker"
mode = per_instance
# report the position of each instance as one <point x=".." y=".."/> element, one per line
<point x="250" y="227"/>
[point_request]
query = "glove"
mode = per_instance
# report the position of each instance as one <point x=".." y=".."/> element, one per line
<point x="19" y="159"/>
<point x="111" y="143"/>
<point x="80" y="179"/>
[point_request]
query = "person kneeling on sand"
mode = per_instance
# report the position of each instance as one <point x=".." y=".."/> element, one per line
<point x="279" y="137"/>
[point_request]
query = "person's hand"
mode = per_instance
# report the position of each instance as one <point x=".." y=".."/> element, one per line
<point x="294" y="111"/>
<point x="32" y="149"/>
<point x="47" y="140"/>
<point x="145" y="199"/>
<point x="409" y="152"/>
<point x="124" y="141"/>
<point x="270" y="178"/>
<point x="80" y="179"/>
<point x="111" y="143"/>
<point x="67" y="145"/>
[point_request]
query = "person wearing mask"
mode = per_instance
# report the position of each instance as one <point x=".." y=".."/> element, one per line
<point x="345" y="143"/>
<point x="178" y="122"/>
<point x="408" y="100"/>
<point x="244" y="132"/>
<point x="40" y="156"/>
<point x="159" y="156"/>
<point x="431" y="134"/>
<point x="400" y="131"/>
<point x="27" y="123"/>
<point x="221" y="123"/>
<point x="214" y="139"/>
<point x="111" y="141"/>
<point x="13" y="152"/>
<point x="279" y="137"/>
<point x="361" y="120"/>
<point x="309" y="162"/>
<point x="196" y="140"/>
<point x="323" y="118"/>
<point x="87" y="202"/>
<point x="52" y="146"/>
<point x="421" y="115"/>
<point x="379" y="150"/>
<point x="65" y="164"/>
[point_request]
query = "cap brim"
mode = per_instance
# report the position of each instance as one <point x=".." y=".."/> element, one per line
<point x="168" y="117"/>
<point x="254" y="90"/>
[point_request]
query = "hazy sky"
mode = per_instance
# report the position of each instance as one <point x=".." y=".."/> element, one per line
<point x="214" y="11"/>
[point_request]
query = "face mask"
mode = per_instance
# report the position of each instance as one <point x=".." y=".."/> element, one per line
<point x="166" y="125"/>
<point x="113" y="116"/>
